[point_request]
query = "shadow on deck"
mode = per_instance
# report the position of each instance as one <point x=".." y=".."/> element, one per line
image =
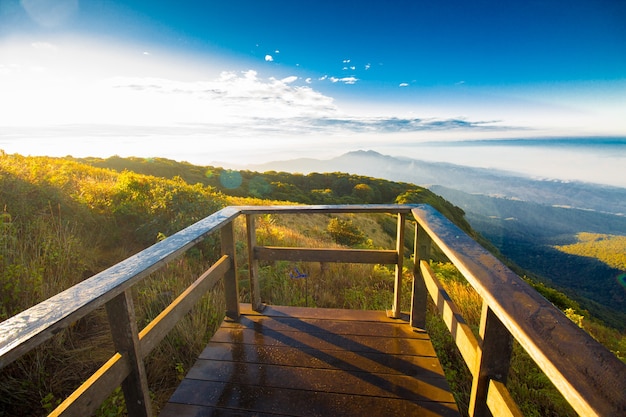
<point x="314" y="362"/>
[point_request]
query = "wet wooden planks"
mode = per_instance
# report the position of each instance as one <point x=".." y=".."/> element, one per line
<point x="293" y="361"/>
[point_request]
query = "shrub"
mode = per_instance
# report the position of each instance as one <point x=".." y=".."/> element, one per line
<point x="345" y="233"/>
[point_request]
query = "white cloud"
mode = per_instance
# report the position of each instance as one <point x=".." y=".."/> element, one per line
<point x="277" y="51"/>
<point x="269" y="58"/>
<point x="308" y="80"/>
<point x="346" y="61"/>
<point x="289" y="80"/>
<point x="404" y="85"/>
<point x="345" y="80"/>
<point x="368" y="66"/>
<point x="324" y="77"/>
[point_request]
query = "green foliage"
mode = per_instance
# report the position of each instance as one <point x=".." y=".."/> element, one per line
<point x="344" y="232"/>
<point x="113" y="406"/>
<point x="314" y="188"/>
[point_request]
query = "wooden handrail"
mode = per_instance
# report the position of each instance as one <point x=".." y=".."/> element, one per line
<point x="27" y="330"/>
<point x="590" y="377"/>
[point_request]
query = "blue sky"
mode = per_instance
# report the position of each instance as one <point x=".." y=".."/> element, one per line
<point x="252" y="78"/>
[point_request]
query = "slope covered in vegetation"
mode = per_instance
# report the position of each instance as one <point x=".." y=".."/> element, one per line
<point x="64" y="220"/>
<point x="314" y="188"/>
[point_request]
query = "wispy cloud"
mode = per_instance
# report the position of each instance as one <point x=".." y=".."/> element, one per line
<point x="231" y="96"/>
<point x="399" y="124"/>
<point x="404" y="85"/>
<point x="345" y="80"/>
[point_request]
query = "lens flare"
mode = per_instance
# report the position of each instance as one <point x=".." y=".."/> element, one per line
<point x="621" y="279"/>
<point x="231" y="179"/>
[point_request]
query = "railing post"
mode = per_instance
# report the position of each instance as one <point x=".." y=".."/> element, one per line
<point x="419" y="296"/>
<point x="253" y="265"/>
<point x="396" y="309"/>
<point x="121" y="313"/>
<point x="493" y="359"/>
<point x="231" y="286"/>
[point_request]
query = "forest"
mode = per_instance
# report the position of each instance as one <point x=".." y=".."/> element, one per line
<point x="65" y="219"/>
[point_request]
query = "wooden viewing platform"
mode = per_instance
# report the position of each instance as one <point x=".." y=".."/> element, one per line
<point x="296" y="361"/>
<point x="299" y="361"/>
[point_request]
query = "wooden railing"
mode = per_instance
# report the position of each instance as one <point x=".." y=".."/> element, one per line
<point x="112" y="288"/>
<point x="590" y="377"/>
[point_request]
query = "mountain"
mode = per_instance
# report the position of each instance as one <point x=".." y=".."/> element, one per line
<point x="490" y="182"/>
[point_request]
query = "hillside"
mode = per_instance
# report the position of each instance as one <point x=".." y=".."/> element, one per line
<point x="313" y="188"/>
<point x="64" y="220"/>
<point x="527" y="233"/>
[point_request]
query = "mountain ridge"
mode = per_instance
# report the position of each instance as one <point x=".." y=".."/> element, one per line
<point x="504" y="184"/>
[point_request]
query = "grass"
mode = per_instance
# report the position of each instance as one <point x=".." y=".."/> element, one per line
<point x="63" y="223"/>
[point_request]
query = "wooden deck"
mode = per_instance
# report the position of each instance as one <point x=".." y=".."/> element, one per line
<point x="293" y="361"/>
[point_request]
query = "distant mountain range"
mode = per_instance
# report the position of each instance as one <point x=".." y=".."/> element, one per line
<point x="489" y="182"/>
<point x="523" y="217"/>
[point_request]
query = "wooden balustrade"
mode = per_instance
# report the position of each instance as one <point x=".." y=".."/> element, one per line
<point x="590" y="377"/>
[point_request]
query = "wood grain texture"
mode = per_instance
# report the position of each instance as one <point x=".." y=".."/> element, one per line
<point x="322" y="209"/>
<point x="367" y="256"/>
<point x="315" y="362"/>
